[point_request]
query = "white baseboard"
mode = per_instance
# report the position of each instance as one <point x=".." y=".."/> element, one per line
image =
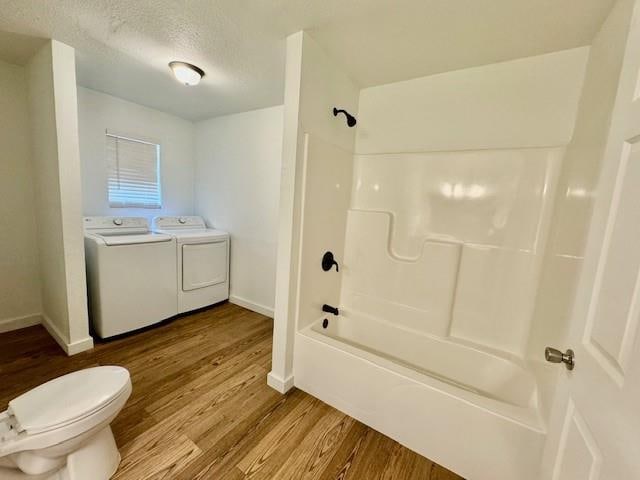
<point x="279" y="384"/>
<point x="80" y="345"/>
<point x="254" y="307"/>
<point x="16" y="323"/>
<point x="70" y="348"/>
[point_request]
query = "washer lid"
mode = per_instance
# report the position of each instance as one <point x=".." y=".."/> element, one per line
<point x="69" y="398"/>
<point x="132" y="239"/>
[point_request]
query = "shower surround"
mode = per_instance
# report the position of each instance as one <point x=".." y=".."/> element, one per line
<point x="439" y="266"/>
<point x="438" y="211"/>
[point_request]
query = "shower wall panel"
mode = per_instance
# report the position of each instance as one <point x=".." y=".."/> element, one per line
<point x="450" y="243"/>
<point x="528" y="102"/>
<point x="495" y="296"/>
<point x="416" y="293"/>
<point x="327" y="170"/>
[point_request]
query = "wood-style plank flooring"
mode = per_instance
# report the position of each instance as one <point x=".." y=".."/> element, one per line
<point x="201" y="409"/>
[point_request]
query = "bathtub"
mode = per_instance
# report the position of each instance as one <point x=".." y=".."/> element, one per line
<point x="470" y="409"/>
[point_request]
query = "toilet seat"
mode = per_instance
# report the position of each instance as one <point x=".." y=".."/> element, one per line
<point x="70" y="406"/>
<point x="67" y="399"/>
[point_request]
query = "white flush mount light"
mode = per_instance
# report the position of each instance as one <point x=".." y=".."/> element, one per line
<point x="186" y="73"/>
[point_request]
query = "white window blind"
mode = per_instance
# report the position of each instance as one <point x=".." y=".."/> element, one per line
<point x="134" y="172"/>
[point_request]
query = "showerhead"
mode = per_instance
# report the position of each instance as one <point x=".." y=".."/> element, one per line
<point x="351" y="120"/>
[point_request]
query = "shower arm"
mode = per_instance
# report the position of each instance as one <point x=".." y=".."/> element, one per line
<point x="351" y="120"/>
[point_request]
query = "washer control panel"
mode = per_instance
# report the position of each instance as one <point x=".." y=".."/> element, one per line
<point x="101" y="223"/>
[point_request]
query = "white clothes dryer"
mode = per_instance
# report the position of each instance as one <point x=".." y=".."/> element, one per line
<point x="202" y="261"/>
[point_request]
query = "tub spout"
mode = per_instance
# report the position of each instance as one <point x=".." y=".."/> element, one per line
<point x="329" y="309"/>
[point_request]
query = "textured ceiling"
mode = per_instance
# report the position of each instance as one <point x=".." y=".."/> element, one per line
<point x="123" y="46"/>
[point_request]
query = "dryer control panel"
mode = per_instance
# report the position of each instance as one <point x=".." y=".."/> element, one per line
<point x="187" y="222"/>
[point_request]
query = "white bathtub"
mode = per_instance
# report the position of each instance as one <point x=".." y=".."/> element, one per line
<point x="467" y="408"/>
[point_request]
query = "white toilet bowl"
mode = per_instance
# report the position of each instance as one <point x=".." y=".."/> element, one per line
<point x="61" y="429"/>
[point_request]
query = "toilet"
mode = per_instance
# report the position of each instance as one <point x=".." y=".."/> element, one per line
<point x="61" y="429"/>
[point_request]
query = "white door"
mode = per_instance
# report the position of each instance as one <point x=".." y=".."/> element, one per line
<point x="597" y="435"/>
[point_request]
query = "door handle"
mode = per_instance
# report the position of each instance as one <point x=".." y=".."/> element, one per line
<point x="554" y="355"/>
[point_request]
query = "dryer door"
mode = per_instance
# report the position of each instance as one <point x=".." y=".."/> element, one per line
<point x="203" y="265"/>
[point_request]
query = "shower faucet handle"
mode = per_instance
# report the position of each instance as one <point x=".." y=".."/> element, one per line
<point x="554" y="355"/>
<point x="328" y="261"/>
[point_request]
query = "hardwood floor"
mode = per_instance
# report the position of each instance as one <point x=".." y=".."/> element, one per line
<point x="201" y="409"/>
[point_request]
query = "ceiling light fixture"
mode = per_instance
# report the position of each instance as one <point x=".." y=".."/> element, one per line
<point x="186" y="73"/>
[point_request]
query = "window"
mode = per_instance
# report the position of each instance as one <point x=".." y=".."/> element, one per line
<point x="133" y="172"/>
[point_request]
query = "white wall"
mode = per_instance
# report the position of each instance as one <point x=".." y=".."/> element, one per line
<point x="19" y="279"/>
<point x="530" y="102"/>
<point x="314" y="84"/>
<point x="58" y="196"/>
<point x="99" y="112"/>
<point x="237" y="185"/>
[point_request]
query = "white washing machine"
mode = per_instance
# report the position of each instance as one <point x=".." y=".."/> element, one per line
<point x="131" y="274"/>
<point x="202" y="260"/>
